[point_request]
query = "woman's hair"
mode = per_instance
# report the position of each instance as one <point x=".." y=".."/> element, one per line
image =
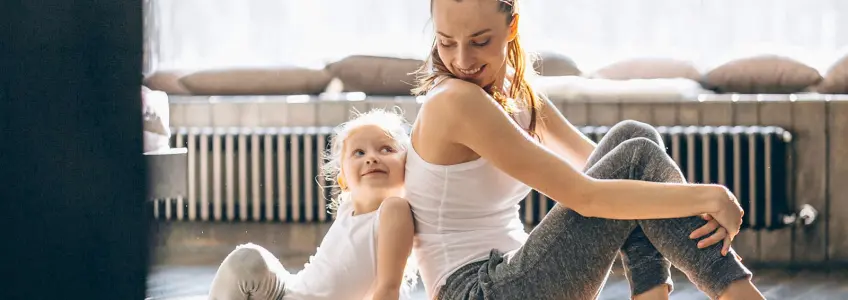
<point x="394" y="124"/>
<point x="520" y="90"/>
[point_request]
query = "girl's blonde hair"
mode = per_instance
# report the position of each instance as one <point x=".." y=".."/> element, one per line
<point x="520" y="90"/>
<point x="392" y="122"/>
<point x="396" y="126"/>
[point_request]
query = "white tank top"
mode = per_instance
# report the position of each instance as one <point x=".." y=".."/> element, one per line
<point x="461" y="213"/>
<point x="345" y="264"/>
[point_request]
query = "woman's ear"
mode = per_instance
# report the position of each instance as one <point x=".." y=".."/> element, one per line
<point x="513" y="28"/>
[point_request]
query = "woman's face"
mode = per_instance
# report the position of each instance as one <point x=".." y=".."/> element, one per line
<point x="472" y="37"/>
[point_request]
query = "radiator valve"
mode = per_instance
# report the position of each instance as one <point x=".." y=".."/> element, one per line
<point x="805" y="216"/>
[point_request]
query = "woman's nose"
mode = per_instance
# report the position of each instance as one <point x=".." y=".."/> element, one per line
<point x="466" y="58"/>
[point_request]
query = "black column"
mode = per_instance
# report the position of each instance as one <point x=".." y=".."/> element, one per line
<point x="74" y="224"/>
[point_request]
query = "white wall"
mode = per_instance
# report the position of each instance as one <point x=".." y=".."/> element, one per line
<point x="202" y="34"/>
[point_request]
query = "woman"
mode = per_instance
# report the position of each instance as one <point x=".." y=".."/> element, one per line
<point x="482" y="139"/>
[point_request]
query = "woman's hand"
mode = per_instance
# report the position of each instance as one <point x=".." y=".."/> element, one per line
<point x="726" y="221"/>
<point x="718" y="233"/>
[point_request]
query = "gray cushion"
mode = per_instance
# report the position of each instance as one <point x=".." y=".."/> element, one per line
<point x="259" y="81"/>
<point x="555" y="64"/>
<point x="764" y="74"/>
<point x="376" y="75"/>
<point x="836" y="79"/>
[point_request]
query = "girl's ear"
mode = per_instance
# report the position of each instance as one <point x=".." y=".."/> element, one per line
<point x="340" y="180"/>
<point x="513" y="28"/>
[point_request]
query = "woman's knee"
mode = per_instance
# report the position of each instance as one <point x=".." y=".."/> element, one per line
<point x="652" y="160"/>
<point x="630" y="129"/>
<point x="641" y="145"/>
<point x="637" y="154"/>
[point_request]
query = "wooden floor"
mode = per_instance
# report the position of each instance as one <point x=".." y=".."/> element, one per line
<point x="186" y="255"/>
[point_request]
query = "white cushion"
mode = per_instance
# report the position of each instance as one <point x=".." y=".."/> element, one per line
<point x="576" y="88"/>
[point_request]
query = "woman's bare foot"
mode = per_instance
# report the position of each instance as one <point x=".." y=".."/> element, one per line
<point x="741" y="289"/>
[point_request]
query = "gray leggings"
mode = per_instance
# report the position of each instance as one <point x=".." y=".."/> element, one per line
<point x="568" y="256"/>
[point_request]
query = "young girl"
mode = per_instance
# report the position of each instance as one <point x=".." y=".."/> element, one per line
<point x="366" y="158"/>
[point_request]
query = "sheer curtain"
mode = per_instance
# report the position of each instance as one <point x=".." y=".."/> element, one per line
<point x="209" y="34"/>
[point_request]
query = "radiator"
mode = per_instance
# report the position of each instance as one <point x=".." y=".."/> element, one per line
<point x="753" y="162"/>
<point x="251" y="174"/>
<point x="271" y="174"/>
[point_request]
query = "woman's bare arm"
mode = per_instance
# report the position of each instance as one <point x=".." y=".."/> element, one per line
<point x="563" y="138"/>
<point x="394" y="244"/>
<point x="470" y="117"/>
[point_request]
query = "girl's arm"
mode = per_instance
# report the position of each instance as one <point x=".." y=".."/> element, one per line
<point x="467" y="116"/>
<point x="394" y="245"/>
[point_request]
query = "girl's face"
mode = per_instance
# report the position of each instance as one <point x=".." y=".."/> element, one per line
<point x="372" y="159"/>
<point x="472" y="38"/>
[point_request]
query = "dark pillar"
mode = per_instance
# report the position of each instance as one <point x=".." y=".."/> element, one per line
<point x="74" y="223"/>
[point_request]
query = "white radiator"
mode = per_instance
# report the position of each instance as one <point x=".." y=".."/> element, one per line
<point x="255" y="174"/>
<point x="271" y="174"/>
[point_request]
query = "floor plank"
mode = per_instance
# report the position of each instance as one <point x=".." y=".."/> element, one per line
<point x="186" y="257"/>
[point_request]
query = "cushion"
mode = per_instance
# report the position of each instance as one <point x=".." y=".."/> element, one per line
<point x="764" y="74"/>
<point x="258" y="81"/>
<point x="649" y="68"/>
<point x="156" y="115"/>
<point x="376" y="75"/>
<point x="836" y="79"/>
<point x="555" y="64"/>
<point x="167" y="81"/>
<point x="577" y="88"/>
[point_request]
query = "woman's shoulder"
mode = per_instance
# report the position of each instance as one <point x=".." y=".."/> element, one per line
<point x="454" y="95"/>
<point x="454" y="86"/>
